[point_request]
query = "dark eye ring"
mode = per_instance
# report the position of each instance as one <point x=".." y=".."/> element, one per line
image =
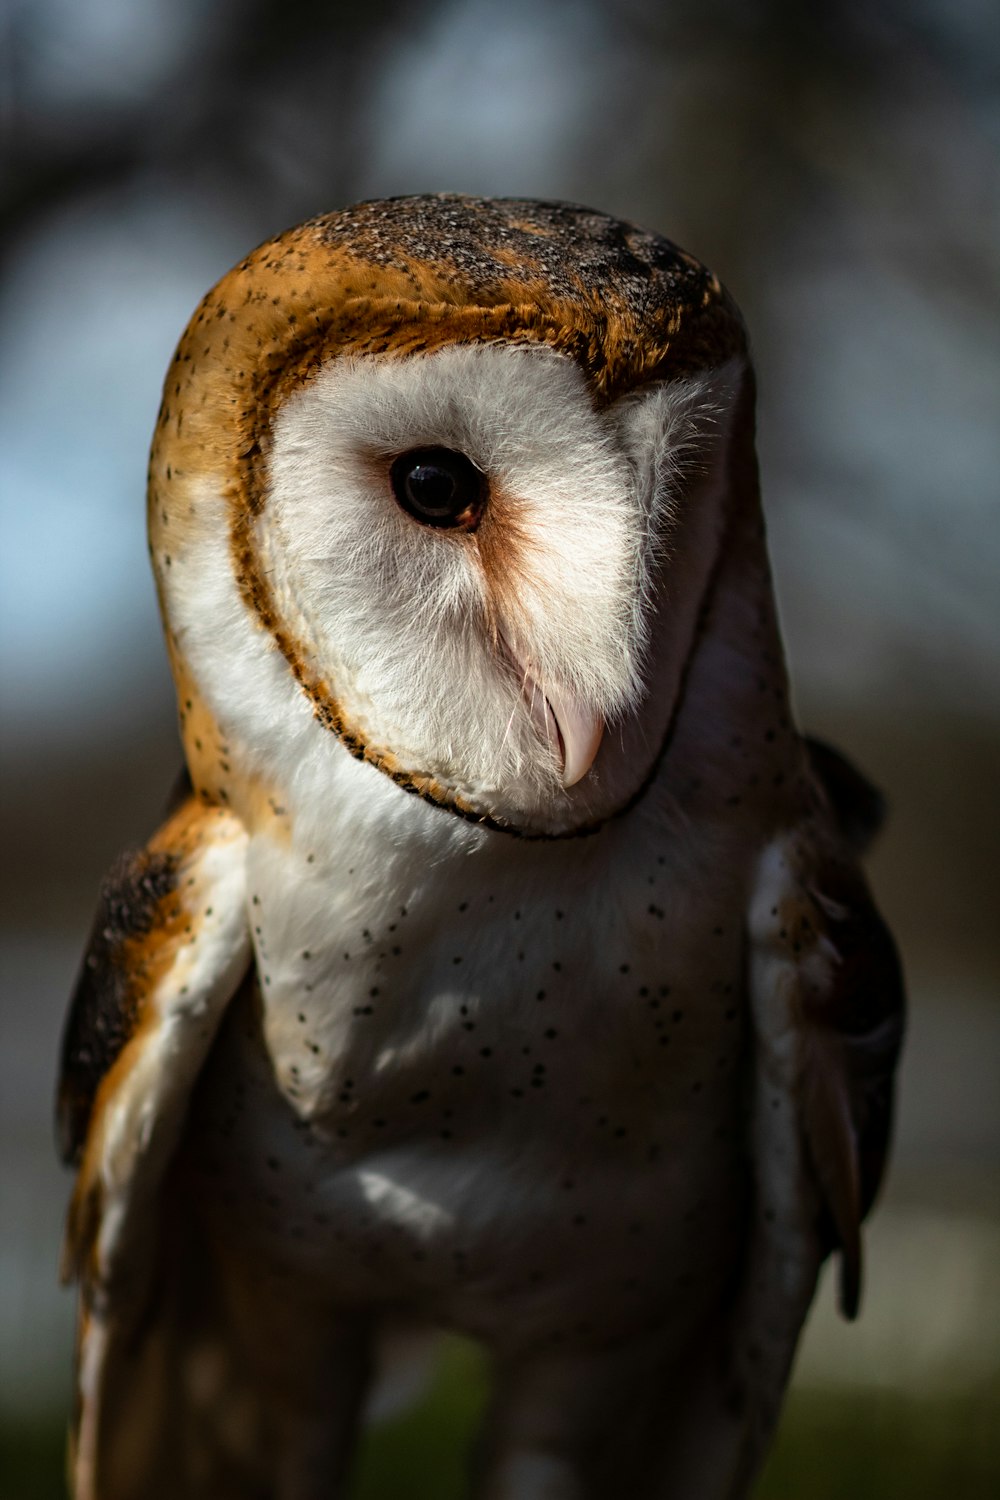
<point x="440" y="487"/>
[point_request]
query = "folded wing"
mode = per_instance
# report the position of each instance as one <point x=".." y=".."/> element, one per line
<point x="826" y="997"/>
<point x="169" y="949"/>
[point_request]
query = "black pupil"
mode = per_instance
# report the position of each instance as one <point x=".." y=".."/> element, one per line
<point x="439" y="486"/>
<point x="431" y="488"/>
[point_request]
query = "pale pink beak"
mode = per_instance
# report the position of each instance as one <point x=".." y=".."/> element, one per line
<point x="573" y="730"/>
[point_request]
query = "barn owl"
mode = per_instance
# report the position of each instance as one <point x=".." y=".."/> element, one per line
<point x="505" y="964"/>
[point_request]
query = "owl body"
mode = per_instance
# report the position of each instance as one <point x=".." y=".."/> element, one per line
<point x="462" y="1102"/>
<point x="506" y="966"/>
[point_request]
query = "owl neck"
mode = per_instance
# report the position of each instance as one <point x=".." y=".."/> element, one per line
<point x="734" y="752"/>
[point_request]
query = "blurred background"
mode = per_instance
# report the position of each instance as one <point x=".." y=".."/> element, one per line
<point x="838" y="165"/>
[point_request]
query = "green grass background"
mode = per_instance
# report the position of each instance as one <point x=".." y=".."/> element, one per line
<point x="832" y="1446"/>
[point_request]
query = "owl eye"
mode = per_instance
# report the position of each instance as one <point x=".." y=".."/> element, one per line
<point x="440" y="487"/>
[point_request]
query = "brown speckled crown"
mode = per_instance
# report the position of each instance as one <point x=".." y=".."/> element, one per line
<point x="411" y="274"/>
<point x="626" y="303"/>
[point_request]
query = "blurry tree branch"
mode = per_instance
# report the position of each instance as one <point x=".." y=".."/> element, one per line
<point x="217" y="116"/>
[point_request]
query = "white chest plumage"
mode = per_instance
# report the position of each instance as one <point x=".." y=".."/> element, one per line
<point x="511" y="1074"/>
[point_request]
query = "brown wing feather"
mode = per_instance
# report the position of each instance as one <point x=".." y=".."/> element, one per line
<point x="826" y="998"/>
<point x="854" y="1032"/>
<point x="169" y="949"/>
<point x="105" y="1003"/>
<point x="856" y="803"/>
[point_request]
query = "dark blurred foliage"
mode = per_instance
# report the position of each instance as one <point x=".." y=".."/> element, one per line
<point x="749" y="108"/>
<point x="262" y="110"/>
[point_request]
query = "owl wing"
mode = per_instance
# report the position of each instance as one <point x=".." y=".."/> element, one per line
<point x="827" y="986"/>
<point x="827" y="1004"/>
<point x="169" y="948"/>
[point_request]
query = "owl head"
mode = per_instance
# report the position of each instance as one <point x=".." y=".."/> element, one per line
<point x="437" y="485"/>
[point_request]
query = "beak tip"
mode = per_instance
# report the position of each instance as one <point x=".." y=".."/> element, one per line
<point x="573" y="730"/>
<point x="580" y="749"/>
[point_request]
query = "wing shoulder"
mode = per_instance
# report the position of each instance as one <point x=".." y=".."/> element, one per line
<point x="104" y="1007"/>
<point x="169" y="947"/>
<point x="828" y="999"/>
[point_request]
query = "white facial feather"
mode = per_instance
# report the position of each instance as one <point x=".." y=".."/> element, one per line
<point x="406" y="624"/>
<point x="400" y="614"/>
<point x="524" y="419"/>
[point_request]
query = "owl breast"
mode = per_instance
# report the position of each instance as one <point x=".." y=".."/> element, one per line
<point x="508" y="1109"/>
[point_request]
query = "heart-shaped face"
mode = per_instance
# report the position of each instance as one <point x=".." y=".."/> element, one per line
<point x="462" y="543"/>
